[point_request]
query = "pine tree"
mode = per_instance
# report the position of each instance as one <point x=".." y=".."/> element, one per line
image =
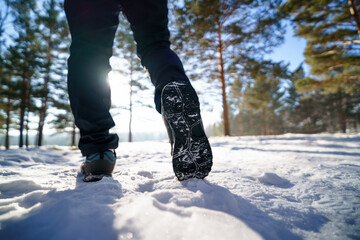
<point x="292" y="100"/>
<point x="303" y="112"/>
<point x="54" y="36"/>
<point x="331" y="29"/>
<point x="264" y="94"/>
<point x="25" y="54"/>
<point x="224" y="35"/>
<point x="9" y="92"/>
<point x="5" y="104"/>
<point x="257" y="103"/>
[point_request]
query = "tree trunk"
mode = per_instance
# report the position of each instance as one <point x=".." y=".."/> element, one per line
<point x="24" y="105"/>
<point x="262" y="123"/>
<point x="21" y="124"/>
<point x="331" y="120"/>
<point x="355" y="15"/>
<point x="223" y="88"/>
<point x="40" y="130"/>
<point x="42" y="114"/>
<point x="342" y="112"/>
<point x="73" y="135"/>
<point x="131" y="93"/>
<point x="7" y="144"/>
<point x="343" y="124"/>
<point x="27" y="129"/>
<point x="267" y="125"/>
<point x="130" y="120"/>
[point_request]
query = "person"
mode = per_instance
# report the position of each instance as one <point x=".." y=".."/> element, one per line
<point x="93" y="25"/>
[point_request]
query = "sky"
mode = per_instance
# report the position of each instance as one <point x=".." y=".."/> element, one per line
<point x="292" y="51"/>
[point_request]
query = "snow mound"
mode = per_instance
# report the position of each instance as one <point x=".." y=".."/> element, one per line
<point x="17" y="187"/>
<point x="273" y="179"/>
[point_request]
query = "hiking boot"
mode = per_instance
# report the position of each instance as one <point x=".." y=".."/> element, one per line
<point x="190" y="148"/>
<point x="98" y="165"/>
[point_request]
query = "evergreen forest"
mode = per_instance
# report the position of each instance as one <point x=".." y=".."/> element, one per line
<point x="223" y="43"/>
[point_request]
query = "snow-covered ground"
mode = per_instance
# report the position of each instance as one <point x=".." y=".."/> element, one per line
<point x="275" y="187"/>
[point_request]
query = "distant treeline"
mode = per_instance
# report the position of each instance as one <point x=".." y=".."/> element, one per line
<point x="63" y="139"/>
<point x="223" y="44"/>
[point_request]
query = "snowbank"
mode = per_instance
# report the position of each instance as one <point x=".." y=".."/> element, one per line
<point x="275" y="187"/>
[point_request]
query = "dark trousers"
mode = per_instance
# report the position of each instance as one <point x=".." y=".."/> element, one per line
<point x="93" y="24"/>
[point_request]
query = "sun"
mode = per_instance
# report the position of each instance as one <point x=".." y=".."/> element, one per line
<point x="119" y="85"/>
<point x="144" y="119"/>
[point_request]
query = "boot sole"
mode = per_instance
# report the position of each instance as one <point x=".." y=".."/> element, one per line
<point x="192" y="156"/>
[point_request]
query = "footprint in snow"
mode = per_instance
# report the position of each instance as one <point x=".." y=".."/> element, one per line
<point x="145" y="174"/>
<point x="163" y="197"/>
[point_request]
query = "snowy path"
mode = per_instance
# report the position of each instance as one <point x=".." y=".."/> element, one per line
<point x="276" y="187"/>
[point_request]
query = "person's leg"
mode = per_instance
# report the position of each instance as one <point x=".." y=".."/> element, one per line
<point x="149" y="23"/>
<point x="175" y="98"/>
<point x="92" y="25"/>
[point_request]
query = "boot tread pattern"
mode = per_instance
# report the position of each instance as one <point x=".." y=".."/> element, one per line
<point x="192" y="156"/>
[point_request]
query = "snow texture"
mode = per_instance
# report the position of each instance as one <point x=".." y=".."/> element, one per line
<point x="274" y="187"/>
